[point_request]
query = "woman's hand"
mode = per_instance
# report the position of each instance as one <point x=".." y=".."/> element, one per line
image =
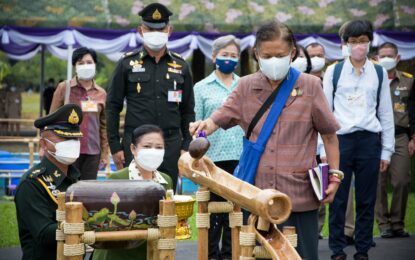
<point x="103" y="163"/>
<point x="331" y="192"/>
<point x="208" y="126"/>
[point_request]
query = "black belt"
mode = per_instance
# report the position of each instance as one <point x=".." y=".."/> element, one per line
<point x="401" y="130"/>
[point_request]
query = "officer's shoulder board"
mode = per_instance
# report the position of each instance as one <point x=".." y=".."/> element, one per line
<point x="36" y="172"/>
<point x="175" y="54"/>
<point x="407" y="75"/>
<point x="129" y="54"/>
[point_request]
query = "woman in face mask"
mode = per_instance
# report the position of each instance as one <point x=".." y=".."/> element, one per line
<point x="303" y="62"/>
<point x="298" y="112"/>
<point x="91" y="98"/>
<point x="226" y="146"/>
<point x="147" y="148"/>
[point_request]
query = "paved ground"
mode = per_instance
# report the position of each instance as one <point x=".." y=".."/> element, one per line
<point x="386" y="249"/>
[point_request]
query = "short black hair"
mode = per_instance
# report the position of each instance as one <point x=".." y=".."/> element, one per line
<point x="307" y="57"/>
<point x="314" y="45"/>
<point x="388" y="45"/>
<point x="358" y="28"/>
<point x="143" y="130"/>
<point x="275" y="30"/>
<point x="79" y="53"/>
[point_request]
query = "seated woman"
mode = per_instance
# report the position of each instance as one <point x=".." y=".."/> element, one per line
<point x="148" y="150"/>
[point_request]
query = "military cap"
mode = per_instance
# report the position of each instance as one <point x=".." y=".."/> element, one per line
<point x="155" y="15"/>
<point x="64" y="122"/>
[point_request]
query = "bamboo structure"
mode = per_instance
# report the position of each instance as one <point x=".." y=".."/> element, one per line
<point x="71" y="237"/>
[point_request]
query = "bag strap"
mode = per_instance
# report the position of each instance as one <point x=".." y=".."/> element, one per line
<point x="379" y="71"/>
<point x="280" y="100"/>
<point x="262" y="110"/>
<point x="336" y="76"/>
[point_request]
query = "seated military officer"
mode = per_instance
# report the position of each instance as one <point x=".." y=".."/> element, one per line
<point x="36" y="202"/>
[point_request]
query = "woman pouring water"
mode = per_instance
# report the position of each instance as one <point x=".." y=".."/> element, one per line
<point x="281" y="112"/>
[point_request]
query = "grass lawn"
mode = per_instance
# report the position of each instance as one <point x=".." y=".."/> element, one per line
<point x="9" y="234"/>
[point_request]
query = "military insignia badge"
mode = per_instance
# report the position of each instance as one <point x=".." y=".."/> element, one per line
<point x="57" y="174"/>
<point x="173" y="70"/>
<point x="138" y="88"/>
<point x="156" y="15"/>
<point x="73" y="117"/>
<point x="174" y="65"/>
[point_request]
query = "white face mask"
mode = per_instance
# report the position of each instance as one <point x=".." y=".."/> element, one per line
<point x="345" y="51"/>
<point x="149" y="159"/>
<point x="85" y="71"/>
<point x="155" y="40"/>
<point x="388" y="63"/>
<point x="67" y="151"/>
<point x="300" y="64"/>
<point x="275" y="68"/>
<point x="317" y="64"/>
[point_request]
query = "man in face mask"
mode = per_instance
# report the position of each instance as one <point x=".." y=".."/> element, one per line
<point x="318" y="59"/>
<point x="36" y="195"/>
<point x="358" y="92"/>
<point x="157" y="85"/>
<point x="391" y="221"/>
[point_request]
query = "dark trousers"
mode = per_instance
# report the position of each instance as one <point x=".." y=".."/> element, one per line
<point x="172" y="142"/>
<point x="219" y="223"/>
<point x="359" y="154"/>
<point x="88" y="164"/>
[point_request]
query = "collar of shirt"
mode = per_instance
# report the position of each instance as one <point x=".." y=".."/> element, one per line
<point x="134" y="174"/>
<point x="75" y="83"/>
<point x="57" y="175"/>
<point x="214" y="78"/>
<point x="348" y="67"/>
<point x="143" y="53"/>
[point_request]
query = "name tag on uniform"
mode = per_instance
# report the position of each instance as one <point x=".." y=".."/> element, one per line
<point x="356" y="100"/>
<point x="399" y="107"/>
<point x="89" y="106"/>
<point x="175" y="96"/>
<point x="139" y="69"/>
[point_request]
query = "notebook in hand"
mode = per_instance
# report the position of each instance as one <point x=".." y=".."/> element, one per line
<point x="319" y="177"/>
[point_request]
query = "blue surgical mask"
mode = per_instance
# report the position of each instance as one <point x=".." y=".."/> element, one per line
<point x="226" y="65"/>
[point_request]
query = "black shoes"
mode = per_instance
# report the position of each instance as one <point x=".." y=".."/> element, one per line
<point x="339" y="257"/>
<point x="360" y="256"/>
<point x="400" y="233"/>
<point x="387" y="233"/>
<point x="349" y="240"/>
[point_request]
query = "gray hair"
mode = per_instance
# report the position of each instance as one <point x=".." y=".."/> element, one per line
<point x="224" y="41"/>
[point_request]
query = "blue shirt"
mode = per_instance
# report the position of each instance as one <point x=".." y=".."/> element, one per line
<point x="355" y="103"/>
<point x="210" y="94"/>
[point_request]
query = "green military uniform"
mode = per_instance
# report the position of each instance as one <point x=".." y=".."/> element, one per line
<point x="399" y="168"/>
<point x="159" y="93"/>
<point x="125" y="254"/>
<point x="35" y="198"/>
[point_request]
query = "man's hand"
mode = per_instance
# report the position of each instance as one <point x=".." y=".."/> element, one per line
<point x="383" y="165"/>
<point x="208" y="126"/>
<point x="119" y="159"/>
<point x="411" y="147"/>
<point x="331" y="192"/>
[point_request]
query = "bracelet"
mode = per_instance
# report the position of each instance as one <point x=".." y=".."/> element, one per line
<point x="334" y="179"/>
<point x="336" y="173"/>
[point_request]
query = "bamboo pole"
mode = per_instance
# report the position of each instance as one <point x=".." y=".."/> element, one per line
<point x="167" y="208"/>
<point x="236" y="247"/>
<point x="31" y="151"/>
<point x="61" y="207"/>
<point x="127" y="235"/>
<point x="152" y="252"/>
<point x="73" y="215"/>
<point x="247" y="251"/>
<point x="203" y="233"/>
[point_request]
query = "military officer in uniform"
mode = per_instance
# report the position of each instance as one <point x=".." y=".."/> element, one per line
<point x="391" y="221"/>
<point x="157" y="86"/>
<point x="36" y="195"/>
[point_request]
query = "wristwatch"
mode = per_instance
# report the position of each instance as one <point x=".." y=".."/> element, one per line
<point x="336" y="173"/>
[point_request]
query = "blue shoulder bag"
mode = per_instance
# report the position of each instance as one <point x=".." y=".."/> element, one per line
<point x="252" y="152"/>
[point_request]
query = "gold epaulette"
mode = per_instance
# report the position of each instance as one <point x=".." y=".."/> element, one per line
<point x="407" y="75"/>
<point x="128" y="54"/>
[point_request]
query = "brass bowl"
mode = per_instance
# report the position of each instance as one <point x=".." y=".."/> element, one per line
<point x="184" y="210"/>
